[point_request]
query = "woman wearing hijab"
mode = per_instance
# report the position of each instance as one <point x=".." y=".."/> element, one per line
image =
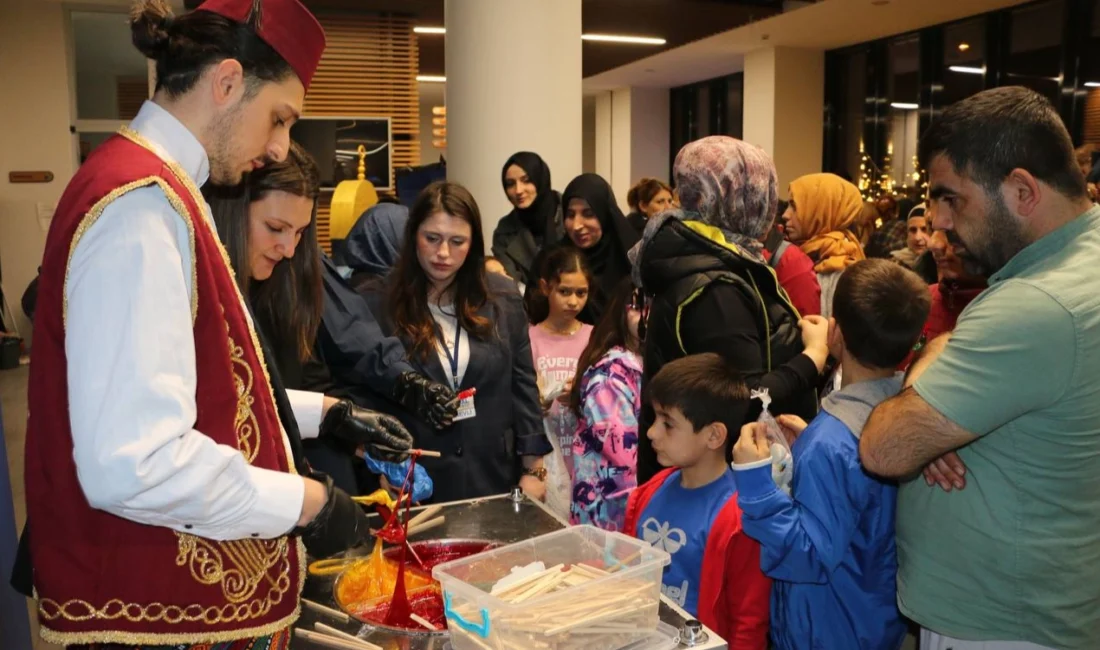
<point x="535" y="220"/>
<point x="820" y="218"/>
<point x="709" y="288"/>
<point x="594" y="223"/>
<point x="374" y="243"/>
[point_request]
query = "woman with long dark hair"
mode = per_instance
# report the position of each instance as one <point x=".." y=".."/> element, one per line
<point x="269" y="229"/>
<point x="466" y="329"/>
<point x="534" y="221"/>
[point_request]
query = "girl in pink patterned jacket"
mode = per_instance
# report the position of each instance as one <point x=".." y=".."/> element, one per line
<point x="607" y="398"/>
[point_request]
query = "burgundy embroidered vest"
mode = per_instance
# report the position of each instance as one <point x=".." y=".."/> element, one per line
<point x="102" y="578"/>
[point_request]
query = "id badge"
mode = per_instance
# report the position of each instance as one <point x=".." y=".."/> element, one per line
<point x="466" y="408"/>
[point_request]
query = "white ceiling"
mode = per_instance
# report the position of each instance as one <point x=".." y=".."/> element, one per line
<point x="825" y="25"/>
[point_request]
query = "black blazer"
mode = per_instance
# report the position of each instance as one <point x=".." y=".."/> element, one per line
<point x="481" y="456"/>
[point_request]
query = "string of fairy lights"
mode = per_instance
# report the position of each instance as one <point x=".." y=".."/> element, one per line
<point x="875" y="181"/>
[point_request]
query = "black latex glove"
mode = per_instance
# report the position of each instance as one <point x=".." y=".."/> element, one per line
<point x="434" y="402"/>
<point x="348" y="422"/>
<point x="341" y="524"/>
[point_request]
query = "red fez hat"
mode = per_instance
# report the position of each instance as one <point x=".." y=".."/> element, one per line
<point x="286" y="25"/>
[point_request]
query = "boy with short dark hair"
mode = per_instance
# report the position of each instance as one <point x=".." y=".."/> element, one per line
<point x="829" y="546"/>
<point x="689" y="509"/>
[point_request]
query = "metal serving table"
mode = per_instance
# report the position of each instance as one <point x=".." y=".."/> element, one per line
<point x="504" y="518"/>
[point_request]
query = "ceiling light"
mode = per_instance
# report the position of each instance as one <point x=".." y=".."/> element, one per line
<point x="1092" y="84"/>
<point x="964" y="47"/>
<point x="966" y="70"/>
<point x="904" y="106"/>
<point x="613" y="38"/>
<point x="431" y="79"/>
<point x="605" y="38"/>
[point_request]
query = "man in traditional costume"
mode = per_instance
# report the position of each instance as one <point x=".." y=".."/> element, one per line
<point x="168" y="500"/>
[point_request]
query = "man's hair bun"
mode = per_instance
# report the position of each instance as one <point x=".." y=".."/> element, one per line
<point x="150" y="21"/>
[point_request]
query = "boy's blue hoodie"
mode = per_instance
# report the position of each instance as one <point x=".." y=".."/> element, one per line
<point x="829" y="547"/>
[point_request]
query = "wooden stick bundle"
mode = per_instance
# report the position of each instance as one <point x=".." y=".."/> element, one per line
<point x="331" y="631"/>
<point x="318" y="607"/>
<point x="615" y="609"/>
<point x="426" y="526"/>
<point x="339" y="643"/>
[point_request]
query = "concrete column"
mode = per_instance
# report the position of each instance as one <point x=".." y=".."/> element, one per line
<point x="784" y="100"/>
<point x="511" y="88"/>
<point x="632" y="137"/>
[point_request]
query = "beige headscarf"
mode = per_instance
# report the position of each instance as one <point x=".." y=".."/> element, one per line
<point x="828" y="210"/>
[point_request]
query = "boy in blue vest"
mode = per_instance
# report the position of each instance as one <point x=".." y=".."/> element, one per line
<point x="829" y="546"/>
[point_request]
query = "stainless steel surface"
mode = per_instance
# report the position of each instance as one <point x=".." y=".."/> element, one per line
<point x="693" y="635"/>
<point x="498" y="519"/>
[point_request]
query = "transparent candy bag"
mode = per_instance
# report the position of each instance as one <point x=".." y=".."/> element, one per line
<point x="782" y="460"/>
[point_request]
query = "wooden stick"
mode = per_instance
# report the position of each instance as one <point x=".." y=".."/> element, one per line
<point x="596" y="618"/>
<point x="321" y="627"/>
<point x="473" y="637"/>
<point x="621" y="564"/>
<point x="318" y="607"/>
<point x="426" y="513"/>
<point x="525" y="582"/>
<point x="423" y="621"/>
<point x="427" y="453"/>
<point x="426" y="526"/>
<point x="549" y="585"/>
<point x="334" y="642"/>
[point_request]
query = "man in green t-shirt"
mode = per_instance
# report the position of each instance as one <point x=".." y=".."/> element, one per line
<point x="1012" y="559"/>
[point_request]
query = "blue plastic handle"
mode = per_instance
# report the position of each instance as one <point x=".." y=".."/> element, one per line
<point x="473" y="628"/>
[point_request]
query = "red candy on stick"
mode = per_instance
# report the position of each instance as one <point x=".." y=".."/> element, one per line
<point x="397" y="532"/>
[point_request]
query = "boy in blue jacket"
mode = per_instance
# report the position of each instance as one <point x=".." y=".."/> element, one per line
<point x="829" y="546"/>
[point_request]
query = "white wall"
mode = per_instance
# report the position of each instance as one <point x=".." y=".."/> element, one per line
<point x="784" y="96"/>
<point x="492" y="112"/>
<point x="649" y="136"/>
<point x="33" y="62"/>
<point x="431" y="94"/>
<point x="632" y="137"/>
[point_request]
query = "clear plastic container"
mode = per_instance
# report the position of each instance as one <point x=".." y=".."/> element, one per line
<point x="599" y="591"/>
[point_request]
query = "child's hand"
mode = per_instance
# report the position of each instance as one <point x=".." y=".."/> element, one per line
<point x="792" y="426"/>
<point x="815" y="339"/>
<point x="753" y="444"/>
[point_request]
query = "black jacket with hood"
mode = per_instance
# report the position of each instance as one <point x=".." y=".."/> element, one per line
<point x="706" y="295"/>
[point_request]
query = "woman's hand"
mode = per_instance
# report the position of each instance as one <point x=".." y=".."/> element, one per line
<point x="533" y="487"/>
<point x="815" y="339"/>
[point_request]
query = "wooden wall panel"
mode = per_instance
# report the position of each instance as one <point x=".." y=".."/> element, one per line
<point x="132" y="93"/>
<point x="1092" y="118"/>
<point x="369" y="68"/>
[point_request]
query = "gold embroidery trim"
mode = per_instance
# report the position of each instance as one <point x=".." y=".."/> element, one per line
<point x="239" y="566"/>
<point x="185" y="179"/>
<point x="96" y="212"/>
<point x="80" y="610"/>
<point x="245" y="425"/>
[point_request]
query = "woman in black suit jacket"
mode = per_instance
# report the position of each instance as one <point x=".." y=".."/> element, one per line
<point x="466" y="329"/>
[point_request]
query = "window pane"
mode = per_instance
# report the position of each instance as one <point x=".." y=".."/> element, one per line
<point x="735" y="104"/>
<point x="701" y="116"/>
<point x="111" y="75"/>
<point x="964" y="58"/>
<point x="851" y="121"/>
<point x="1035" y="48"/>
<point x="903" y="92"/>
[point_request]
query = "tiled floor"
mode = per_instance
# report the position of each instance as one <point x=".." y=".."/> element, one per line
<point x="13" y="397"/>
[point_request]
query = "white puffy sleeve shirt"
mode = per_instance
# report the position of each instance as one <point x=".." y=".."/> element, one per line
<point x="132" y="378"/>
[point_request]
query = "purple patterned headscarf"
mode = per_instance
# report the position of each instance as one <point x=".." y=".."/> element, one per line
<point x="730" y="184"/>
<point x="726" y="183"/>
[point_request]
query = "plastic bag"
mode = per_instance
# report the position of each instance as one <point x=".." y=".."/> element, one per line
<point x="782" y="459"/>
<point x="422" y="486"/>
